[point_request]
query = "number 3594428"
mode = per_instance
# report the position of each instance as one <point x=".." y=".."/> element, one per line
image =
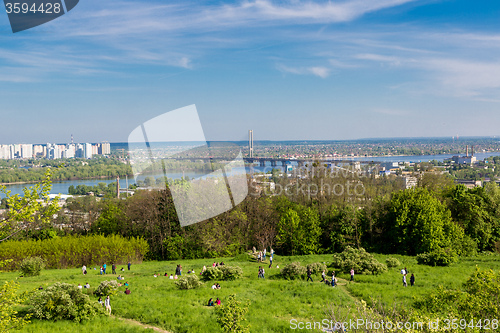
<point x="25" y="8"/>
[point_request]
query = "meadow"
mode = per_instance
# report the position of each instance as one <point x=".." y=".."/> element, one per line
<point x="273" y="302"/>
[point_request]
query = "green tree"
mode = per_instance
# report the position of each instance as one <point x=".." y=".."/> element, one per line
<point x="231" y="315"/>
<point x="415" y="222"/>
<point x="26" y="211"/>
<point x="9" y="301"/>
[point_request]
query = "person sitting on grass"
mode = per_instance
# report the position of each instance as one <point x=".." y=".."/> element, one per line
<point x="175" y="277"/>
<point x="100" y="301"/>
<point x="166" y="274"/>
<point x="171" y="276"/>
<point x="217" y="301"/>
<point x="211" y="302"/>
<point x="214" y="286"/>
<point x="125" y="284"/>
<point x="80" y="286"/>
<point x="120" y="277"/>
<point x="127" y="291"/>
<point x="218" y="286"/>
<point x="155" y="275"/>
<point x="86" y="286"/>
<point x="122" y="269"/>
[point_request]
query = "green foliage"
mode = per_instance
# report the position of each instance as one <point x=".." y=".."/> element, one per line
<point x="231" y="315"/>
<point x="231" y="273"/>
<point x="226" y="273"/>
<point x="477" y="212"/>
<point x="71" y="169"/>
<point x="415" y="222"/>
<point x="298" y="229"/>
<point x="479" y="299"/>
<point x="188" y="282"/>
<point x="74" y="251"/>
<point x="317" y="267"/>
<point x="9" y="302"/>
<point x="63" y="301"/>
<point x="438" y="257"/>
<point x="32" y="266"/>
<point x="392" y="262"/>
<point x="293" y="271"/>
<point x="359" y="260"/>
<point x="107" y="288"/>
<point x="212" y="273"/>
<point x="110" y="220"/>
<point x="34" y="206"/>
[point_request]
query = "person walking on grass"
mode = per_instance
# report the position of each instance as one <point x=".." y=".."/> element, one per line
<point x="272" y="252"/>
<point x="104" y="268"/>
<point x="84" y="269"/>
<point x="113" y="268"/>
<point x="323" y="277"/>
<point x="107" y="305"/>
<point x="128" y="265"/>
<point x="309" y="273"/>
<point x="334" y="280"/>
<point x="270" y="262"/>
<point x="404" y="281"/>
<point x="352" y="274"/>
<point x="412" y="280"/>
<point x="264" y="253"/>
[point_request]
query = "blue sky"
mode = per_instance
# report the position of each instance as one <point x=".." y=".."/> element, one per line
<point x="324" y="70"/>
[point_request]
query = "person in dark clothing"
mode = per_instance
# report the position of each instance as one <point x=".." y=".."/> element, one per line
<point x="113" y="268"/>
<point x="128" y="265"/>
<point x="127" y="291"/>
<point x="211" y="302"/>
<point x="412" y="280"/>
<point x="309" y="272"/>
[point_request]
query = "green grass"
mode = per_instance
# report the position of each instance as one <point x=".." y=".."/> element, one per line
<point x="273" y="301"/>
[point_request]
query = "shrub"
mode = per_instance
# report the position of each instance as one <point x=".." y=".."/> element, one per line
<point x="188" y="282"/>
<point x="231" y="315"/>
<point x="317" y="267"/>
<point x="230" y="273"/>
<point x="75" y="251"/>
<point x="107" y="288"/>
<point x="293" y="271"/>
<point x="392" y="262"/>
<point x="212" y="273"/>
<point x="32" y="266"/>
<point x="358" y="259"/>
<point x="63" y="301"/>
<point x="438" y="257"/>
<point x="226" y="273"/>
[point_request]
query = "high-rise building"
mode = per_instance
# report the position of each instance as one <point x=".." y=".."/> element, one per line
<point x="26" y="151"/>
<point x="105" y="148"/>
<point x="87" y="150"/>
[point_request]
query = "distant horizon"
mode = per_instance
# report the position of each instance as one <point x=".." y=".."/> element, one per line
<point x="294" y="140"/>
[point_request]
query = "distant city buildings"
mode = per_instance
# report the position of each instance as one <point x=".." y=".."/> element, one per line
<point x="53" y="151"/>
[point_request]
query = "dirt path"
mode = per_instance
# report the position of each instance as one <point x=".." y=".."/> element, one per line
<point x="137" y="323"/>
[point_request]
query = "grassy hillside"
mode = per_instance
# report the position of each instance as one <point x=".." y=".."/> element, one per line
<point x="274" y="302"/>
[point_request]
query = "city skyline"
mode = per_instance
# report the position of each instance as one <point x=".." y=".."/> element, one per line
<point x="292" y="70"/>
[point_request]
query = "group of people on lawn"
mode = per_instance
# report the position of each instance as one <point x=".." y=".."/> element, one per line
<point x="106" y="303"/>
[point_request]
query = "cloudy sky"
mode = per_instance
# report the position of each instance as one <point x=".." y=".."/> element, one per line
<point x="289" y="69"/>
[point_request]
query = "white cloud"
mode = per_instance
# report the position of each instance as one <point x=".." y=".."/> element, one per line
<point x="319" y="71"/>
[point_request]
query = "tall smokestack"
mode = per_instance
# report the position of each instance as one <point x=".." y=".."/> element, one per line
<point x="467" y="151"/>
<point x="472" y="151"/>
